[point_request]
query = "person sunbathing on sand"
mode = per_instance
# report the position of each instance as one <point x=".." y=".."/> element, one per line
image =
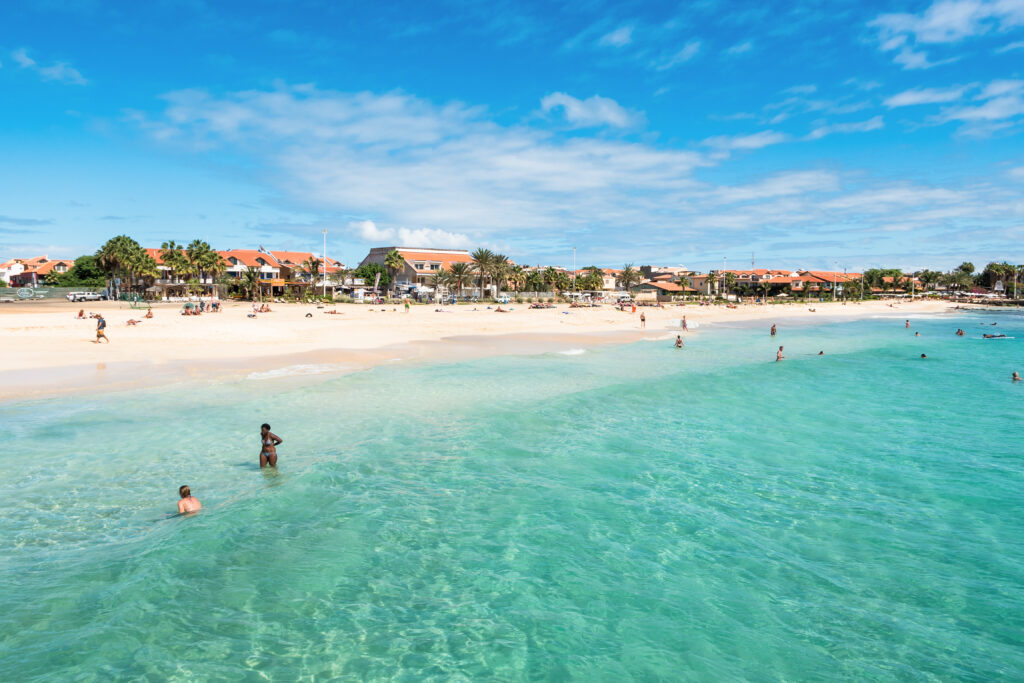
<point x="499" y="309"/>
<point x="188" y="503"/>
<point x="149" y="314"/>
<point x="132" y="322"/>
<point x="81" y="315"/>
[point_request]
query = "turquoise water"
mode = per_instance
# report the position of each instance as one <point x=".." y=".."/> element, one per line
<point x="634" y="512"/>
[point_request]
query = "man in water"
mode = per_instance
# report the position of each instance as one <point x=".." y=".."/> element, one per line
<point x="923" y="356"/>
<point x="188" y="502"/>
<point x="679" y="344"/>
<point x="779" y="356"/>
<point x="773" y="330"/>
<point x="1016" y="376"/>
<point x="268" y="446"/>
<point x="101" y="325"/>
<point x="917" y="334"/>
<point x="907" y="325"/>
<point x="685" y="328"/>
<point x="821" y="353"/>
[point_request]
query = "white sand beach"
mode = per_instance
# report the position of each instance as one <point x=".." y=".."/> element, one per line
<point x="47" y="351"/>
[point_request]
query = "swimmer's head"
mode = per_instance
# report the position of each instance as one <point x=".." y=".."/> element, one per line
<point x="923" y="356"/>
<point x="265" y="426"/>
<point x="184" y="491"/>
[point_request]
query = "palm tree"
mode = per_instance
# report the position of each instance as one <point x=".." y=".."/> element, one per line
<point x="534" y="281"/>
<point x="712" y="281"/>
<point x="250" y="282"/>
<point x="115" y="257"/>
<point x="395" y="263"/>
<point x="460" y="273"/>
<point x="728" y="281"/>
<point x="482" y="260"/>
<point x="173" y="256"/>
<point x="440" y="281"/>
<point x="499" y="270"/>
<point x="517" y="278"/>
<point x="630" y="277"/>
<point x="550" y="278"/>
<point x="311" y="266"/>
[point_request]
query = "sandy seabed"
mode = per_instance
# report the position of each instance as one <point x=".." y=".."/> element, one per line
<point x="47" y="351"/>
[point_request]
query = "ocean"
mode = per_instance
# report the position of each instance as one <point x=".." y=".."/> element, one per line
<point x="632" y="512"/>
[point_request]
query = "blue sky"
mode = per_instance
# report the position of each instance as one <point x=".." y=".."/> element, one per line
<point x="808" y="134"/>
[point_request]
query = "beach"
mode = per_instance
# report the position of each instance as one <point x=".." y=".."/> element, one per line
<point x="47" y="351"/>
<point x="554" y="510"/>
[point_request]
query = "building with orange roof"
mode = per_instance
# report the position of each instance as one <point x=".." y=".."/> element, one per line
<point x="31" y="272"/>
<point x="420" y="264"/>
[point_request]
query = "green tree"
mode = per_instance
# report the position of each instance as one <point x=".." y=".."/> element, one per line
<point x="368" y="272"/>
<point x="630" y="277"/>
<point x="966" y="267"/>
<point x="173" y="256"/>
<point x="482" y="262"/>
<point x="116" y="258"/>
<point x="250" y="283"/>
<point x="311" y="267"/>
<point x="728" y="282"/>
<point x="460" y="274"/>
<point x="394" y="262"/>
<point x="712" y="280"/>
<point x="534" y="281"/>
<point x="86" y="273"/>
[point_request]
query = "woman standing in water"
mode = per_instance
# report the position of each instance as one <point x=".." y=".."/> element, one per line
<point x="268" y="446"/>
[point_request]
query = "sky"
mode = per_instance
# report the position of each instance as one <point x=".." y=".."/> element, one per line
<point x="823" y="135"/>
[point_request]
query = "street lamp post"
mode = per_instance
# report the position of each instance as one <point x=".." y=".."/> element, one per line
<point x="325" y="262"/>
<point x="574" y="269"/>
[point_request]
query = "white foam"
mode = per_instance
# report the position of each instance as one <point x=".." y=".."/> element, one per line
<point x="573" y="352"/>
<point x="293" y="370"/>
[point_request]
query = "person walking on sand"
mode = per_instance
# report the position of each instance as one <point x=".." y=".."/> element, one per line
<point x="101" y="326"/>
<point x="685" y="328"/>
<point x="634" y="307"/>
<point x="268" y="446"/>
<point x="643" y="321"/>
<point x="188" y="502"/>
<point x="779" y="356"/>
<point x="407" y="305"/>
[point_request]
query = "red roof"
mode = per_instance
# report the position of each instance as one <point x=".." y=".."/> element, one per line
<point x="667" y="286"/>
<point x="250" y="257"/>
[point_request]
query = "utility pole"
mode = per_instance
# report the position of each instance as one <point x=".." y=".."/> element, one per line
<point x="574" y="269"/>
<point x="325" y="261"/>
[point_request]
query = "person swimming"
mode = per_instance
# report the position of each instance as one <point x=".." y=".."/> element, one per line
<point x="779" y="356"/>
<point x="821" y="353"/>
<point x="907" y="325"/>
<point x="917" y="334"/>
<point x="923" y="356"/>
<point x="1016" y="376"/>
<point x="268" y="446"/>
<point x="773" y="330"/>
<point x="679" y="342"/>
<point x="188" y="502"/>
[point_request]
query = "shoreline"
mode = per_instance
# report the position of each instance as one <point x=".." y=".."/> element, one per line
<point x="50" y="354"/>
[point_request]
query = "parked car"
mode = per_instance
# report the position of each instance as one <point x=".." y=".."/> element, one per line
<point x="86" y="296"/>
<point x="501" y="299"/>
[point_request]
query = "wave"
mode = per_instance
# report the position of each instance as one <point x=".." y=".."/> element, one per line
<point x="293" y="370"/>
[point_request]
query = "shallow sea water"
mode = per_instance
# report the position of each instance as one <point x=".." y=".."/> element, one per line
<point x="634" y="512"/>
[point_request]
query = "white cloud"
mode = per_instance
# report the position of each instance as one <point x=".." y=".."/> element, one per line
<point x="1009" y="47"/>
<point x="999" y="105"/>
<point x="620" y="37"/>
<point x="593" y="111"/>
<point x="740" y="48"/>
<point x="807" y="89"/>
<point x="688" y="52"/>
<point x="943" y="22"/>
<point x="58" y="71"/>
<point x="1016" y="173"/>
<point x="460" y="179"/>
<point x="405" y="237"/>
<point x="752" y="141"/>
<point x="917" y="96"/>
<point x="856" y="127"/>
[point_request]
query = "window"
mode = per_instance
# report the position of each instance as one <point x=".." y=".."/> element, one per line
<point x="418" y="266"/>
